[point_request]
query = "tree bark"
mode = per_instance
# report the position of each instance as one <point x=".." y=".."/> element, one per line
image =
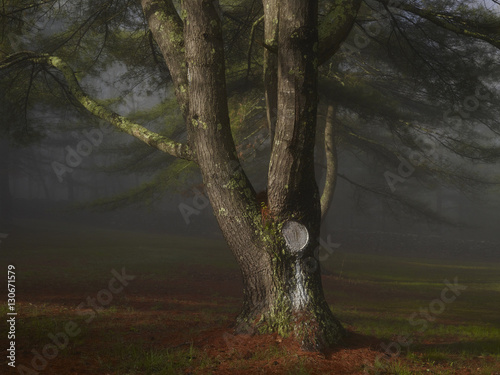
<point x="167" y="29"/>
<point x="230" y="192"/>
<point x="282" y="286"/>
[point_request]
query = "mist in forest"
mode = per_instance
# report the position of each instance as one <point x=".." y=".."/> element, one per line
<point x="70" y="177"/>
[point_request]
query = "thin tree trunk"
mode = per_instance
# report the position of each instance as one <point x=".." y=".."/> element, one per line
<point x="271" y="63"/>
<point x="331" y="161"/>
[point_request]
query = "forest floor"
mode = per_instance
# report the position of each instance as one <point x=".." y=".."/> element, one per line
<point x="170" y="309"/>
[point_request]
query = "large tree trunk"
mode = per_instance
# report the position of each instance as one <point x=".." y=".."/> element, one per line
<point x="282" y="284"/>
<point x="287" y="297"/>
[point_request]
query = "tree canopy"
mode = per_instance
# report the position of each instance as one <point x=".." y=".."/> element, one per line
<point x="410" y="77"/>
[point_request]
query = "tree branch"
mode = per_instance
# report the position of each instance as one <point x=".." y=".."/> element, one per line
<point x="447" y="21"/>
<point x="168" y="31"/>
<point x="152" y="139"/>
<point x="336" y="26"/>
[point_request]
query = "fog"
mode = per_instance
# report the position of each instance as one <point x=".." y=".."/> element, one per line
<point x="62" y="178"/>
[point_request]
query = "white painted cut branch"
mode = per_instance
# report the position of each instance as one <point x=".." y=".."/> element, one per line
<point x="296" y="236"/>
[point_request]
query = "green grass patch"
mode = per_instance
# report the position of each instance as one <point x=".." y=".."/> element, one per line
<point x="374" y="294"/>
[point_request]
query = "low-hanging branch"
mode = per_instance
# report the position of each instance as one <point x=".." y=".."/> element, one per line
<point x="452" y="23"/>
<point x="149" y="137"/>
